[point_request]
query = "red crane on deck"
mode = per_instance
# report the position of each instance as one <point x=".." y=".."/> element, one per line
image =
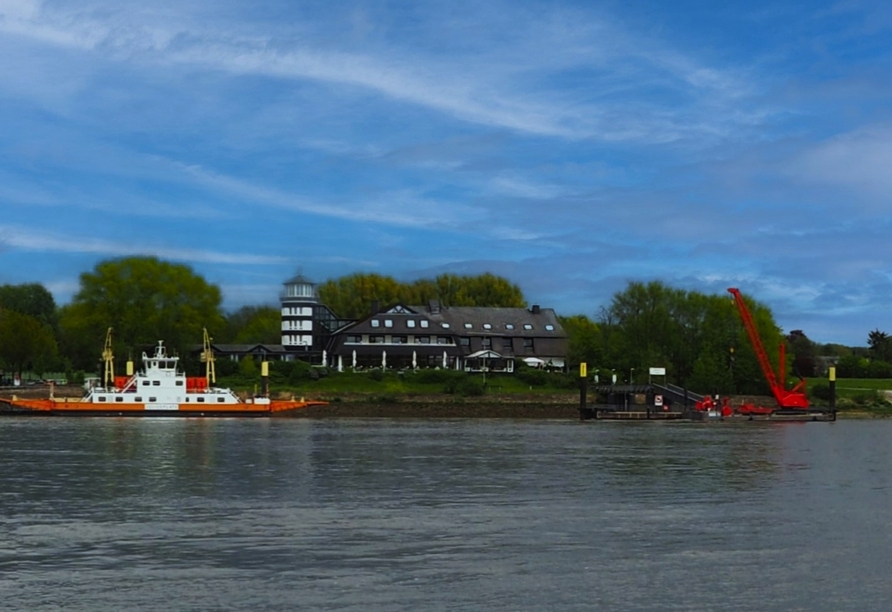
<point x="793" y="398"/>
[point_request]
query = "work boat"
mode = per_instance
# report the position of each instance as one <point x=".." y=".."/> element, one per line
<point x="160" y="389"/>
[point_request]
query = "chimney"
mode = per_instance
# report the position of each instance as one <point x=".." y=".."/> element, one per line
<point x="376" y="307"/>
<point x="535" y="309"/>
<point x="434" y="306"/>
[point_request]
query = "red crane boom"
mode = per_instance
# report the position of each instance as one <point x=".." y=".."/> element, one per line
<point x="795" y="397"/>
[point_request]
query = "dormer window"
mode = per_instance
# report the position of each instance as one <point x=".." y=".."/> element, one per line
<point x="388" y="322"/>
<point x="487" y="326"/>
<point x="549" y="328"/>
<point x="424" y="324"/>
<point x="376" y="323"/>
<point x="468" y="326"/>
<point x="410" y="323"/>
<point x="445" y="325"/>
<point x="527" y="326"/>
<point x="509" y="325"/>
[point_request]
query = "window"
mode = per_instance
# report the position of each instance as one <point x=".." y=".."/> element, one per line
<point x="445" y="325"/>
<point x="220" y="400"/>
<point x="549" y="327"/>
<point x="119" y="399"/>
<point x="376" y="339"/>
<point x="443" y="340"/>
<point x="528" y="343"/>
<point x="464" y="341"/>
<point x="487" y="326"/>
<point x="424" y="324"/>
<point x="487" y="343"/>
<point x="509" y="325"/>
<point x="354" y="340"/>
<point x="101" y="398"/>
<point x="388" y="322"/>
<point x="137" y="399"/>
<point x="468" y="326"/>
<point x="399" y="339"/>
<point x="410" y="323"/>
<point x="145" y="383"/>
<point x="153" y="399"/>
<point x="507" y="343"/>
<point x="156" y="383"/>
<point x="200" y="399"/>
<point x="376" y="323"/>
<point x="527" y="326"/>
<point x="422" y="339"/>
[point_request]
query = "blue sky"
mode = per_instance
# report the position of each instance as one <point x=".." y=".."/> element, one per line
<point x="568" y="146"/>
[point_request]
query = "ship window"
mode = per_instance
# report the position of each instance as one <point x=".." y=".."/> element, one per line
<point x="145" y="383"/>
<point x="137" y="399"/>
<point x="179" y="383"/>
<point x="220" y="400"/>
<point x="157" y="383"/>
<point x="101" y="398"/>
<point x="119" y="399"/>
<point x="200" y="399"/>
<point x="153" y="399"/>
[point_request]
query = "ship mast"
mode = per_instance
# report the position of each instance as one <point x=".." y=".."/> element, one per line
<point x="207" y="356"/>
<point x="108" y="357"/>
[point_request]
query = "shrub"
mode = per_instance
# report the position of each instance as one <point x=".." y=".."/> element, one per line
<point x="377" y="375"/>
<point x="533" y="377"/>
<point x="820" y="391"/>
<point x="471" y="386"/>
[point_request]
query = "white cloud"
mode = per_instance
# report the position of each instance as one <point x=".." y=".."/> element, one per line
<point x="24" y="238"/>
<point x="859" y="161"/>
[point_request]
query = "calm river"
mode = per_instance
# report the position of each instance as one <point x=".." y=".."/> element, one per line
<point x="383" y="515"/>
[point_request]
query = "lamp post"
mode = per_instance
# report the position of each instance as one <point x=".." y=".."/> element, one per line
<point x="631" y="371"/>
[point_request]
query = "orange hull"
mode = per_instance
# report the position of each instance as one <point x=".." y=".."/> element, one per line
<point x="74" y="407"/>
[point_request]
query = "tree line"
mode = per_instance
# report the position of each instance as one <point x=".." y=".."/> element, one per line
<point x="698" y="338"/>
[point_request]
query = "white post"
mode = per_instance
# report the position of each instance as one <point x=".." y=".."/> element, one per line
<point x="384" y="360"/>
<point x="340" y="363"/>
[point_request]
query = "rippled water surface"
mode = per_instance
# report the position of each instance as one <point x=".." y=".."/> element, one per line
<point x="107" y="514"/>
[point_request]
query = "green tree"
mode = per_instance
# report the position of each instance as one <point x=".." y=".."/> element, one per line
<point x="145" y="300"/>
<point x="30" y="299"/>
<point x="351" y="297"/>
<point x="252" y="325"/>
<point x="586" y="342"/>
<point x="25" y="343"/>
<point x="880" y="345"/>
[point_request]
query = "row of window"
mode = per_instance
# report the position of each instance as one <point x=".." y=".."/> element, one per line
<point x="410" y="323"/>
<point x="506" y="343"/>
<point x="120" y="398"/>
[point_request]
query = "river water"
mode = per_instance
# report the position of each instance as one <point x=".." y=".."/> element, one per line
<point x="374" y="515"/>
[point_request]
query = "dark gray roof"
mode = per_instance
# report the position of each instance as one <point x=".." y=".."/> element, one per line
<point x="299" y="279"/>
<point x="456" y="317"/>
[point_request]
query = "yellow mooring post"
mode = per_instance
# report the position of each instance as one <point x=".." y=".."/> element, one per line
<point x="583" y="388"/>
<point x="264" y="378"/>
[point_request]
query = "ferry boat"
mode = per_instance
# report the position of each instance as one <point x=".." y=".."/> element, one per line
<point x="159" y="389"/>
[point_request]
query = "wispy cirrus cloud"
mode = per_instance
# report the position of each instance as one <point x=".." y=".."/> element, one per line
<point x="28" y="239"/>
<point x="599" y="65"/>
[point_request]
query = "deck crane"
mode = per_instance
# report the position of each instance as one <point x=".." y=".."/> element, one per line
<point x="108" y="359"/>
<point x="794" y="398"/>
<point x="207" y="357"/>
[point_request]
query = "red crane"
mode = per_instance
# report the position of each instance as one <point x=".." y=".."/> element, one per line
<point x="793" y="398"/>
